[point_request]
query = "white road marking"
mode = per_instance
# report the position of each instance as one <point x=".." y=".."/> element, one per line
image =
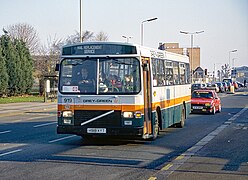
<point x="3" y="132"/>
<point x="46" y="124"/>
<point x="11" y="152"/>
<point x="60" y="139"/>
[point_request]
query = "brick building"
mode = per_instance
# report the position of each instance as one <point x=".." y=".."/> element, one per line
<point x="194" y="53"/>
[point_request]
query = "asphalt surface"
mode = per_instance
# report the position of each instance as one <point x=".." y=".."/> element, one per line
<point x="208" y="147"/>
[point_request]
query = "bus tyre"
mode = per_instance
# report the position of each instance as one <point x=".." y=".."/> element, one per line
<point x="156" y="126"/>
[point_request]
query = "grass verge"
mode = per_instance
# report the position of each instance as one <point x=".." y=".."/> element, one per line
<point x="14" y="99"/>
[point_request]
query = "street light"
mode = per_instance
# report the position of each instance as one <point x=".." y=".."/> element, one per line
<point x="233" y="62"/>
<point x="81" y="19"/>
<point x="235" y="50"/>
<point x="142" y="28"/>
<point x="127" y="37"/>
<point x="191" y="53"/>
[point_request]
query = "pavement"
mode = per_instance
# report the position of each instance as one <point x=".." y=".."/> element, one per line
<point x="13" y="109"/>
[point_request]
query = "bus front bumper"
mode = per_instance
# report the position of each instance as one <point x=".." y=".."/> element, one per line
<point x="113" y="131"/>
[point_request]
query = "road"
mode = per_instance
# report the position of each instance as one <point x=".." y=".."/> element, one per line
<point x="208" y="147"/>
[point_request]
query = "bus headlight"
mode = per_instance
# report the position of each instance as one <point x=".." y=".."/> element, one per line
<point x="67" y="114"/>
<point x="128" y="114"/>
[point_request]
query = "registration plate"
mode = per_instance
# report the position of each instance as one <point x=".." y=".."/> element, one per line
<point x="197" y="107"/>
<point x="96" y="130"/>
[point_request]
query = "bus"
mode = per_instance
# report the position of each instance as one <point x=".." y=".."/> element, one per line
<point x="131" y="91"/>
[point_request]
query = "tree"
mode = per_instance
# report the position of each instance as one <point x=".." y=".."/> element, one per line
<point x="27" y="34"/>
<point x="18" y="65"/>
<point x="10" y="55"/>
<point x="25" y="62"/>
<point x="225" y="71"/>
<point x="101" y="36"/>
<point x="75" y="38"/>
<point x="48" y="56"/>
<point x="3" y="73"/>
<point x="29" y="68"/>
<point x="45" y="62"/>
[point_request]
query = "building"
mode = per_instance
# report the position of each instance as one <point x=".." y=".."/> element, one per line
<point x="193" y="53"/>
<point x="241" y="73"/>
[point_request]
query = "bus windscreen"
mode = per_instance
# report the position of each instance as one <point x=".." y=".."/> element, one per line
<point x="100" y="76"/>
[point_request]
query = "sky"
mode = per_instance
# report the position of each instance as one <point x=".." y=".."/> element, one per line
<point x="224" y="22"/>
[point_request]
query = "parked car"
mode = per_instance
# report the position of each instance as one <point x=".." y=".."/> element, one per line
<point x="197" y="86"/>
<point x="229" y="84"/>
<point x="205" y="101"/>
<point x="227" y="80"/>
<point x="213" y="87"/>
<point x="240" y="84"/>
<point x="225" y="86"/>
<point x="235" y="84"/>
<point x="220" y="86"/>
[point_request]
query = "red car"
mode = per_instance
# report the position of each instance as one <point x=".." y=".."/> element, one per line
<point x="205" y="101"/>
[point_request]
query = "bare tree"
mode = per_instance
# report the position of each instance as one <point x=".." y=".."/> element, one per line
<point x="75" y="38"/>
<point x="26" y="33"/>
<point x="226" y="70"/>
<point x="101" y="36"/>
<point x="48" y="56"/>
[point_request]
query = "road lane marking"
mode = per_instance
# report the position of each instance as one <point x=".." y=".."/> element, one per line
<point x="60" y="139"/>
<point x="167" y="167"/>
<point x="180" y="157"/>
<point x="11" y="152"/>
<point x="152" y="178"/>
<point x="39" y="117"/>
<point x="33" y="118"/>
<point x="3" y="132"/>
<point x="46" y="124"/>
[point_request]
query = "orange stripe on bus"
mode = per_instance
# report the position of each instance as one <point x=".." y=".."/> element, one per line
<point x="171" y="102"/>
<point x="126" y="107"/>
<point x="102" y="107"/>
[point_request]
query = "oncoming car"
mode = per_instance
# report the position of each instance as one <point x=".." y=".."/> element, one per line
<point x="205" y="101"/>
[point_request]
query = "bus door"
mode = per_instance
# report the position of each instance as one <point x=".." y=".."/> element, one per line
<point x="147" y="96"/>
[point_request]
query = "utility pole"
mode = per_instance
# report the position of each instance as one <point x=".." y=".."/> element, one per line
<point x="81" y="20"/>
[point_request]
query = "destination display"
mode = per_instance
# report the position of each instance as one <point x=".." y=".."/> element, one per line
<point x="99" y="49"/>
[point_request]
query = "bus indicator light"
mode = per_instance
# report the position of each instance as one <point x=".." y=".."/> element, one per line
<point x="138" y="114"/>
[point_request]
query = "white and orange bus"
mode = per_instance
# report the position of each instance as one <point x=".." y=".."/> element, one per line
<point x="130" y="91"/>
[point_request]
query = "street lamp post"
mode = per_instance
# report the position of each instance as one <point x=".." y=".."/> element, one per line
<point x="235" y="50"/>
<point x="142" y="29"/>
<point x="127" y="37"/>
<point x="81" y="23"/>
<point x="233" y="62"/>
<point x="191" y="52"/>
